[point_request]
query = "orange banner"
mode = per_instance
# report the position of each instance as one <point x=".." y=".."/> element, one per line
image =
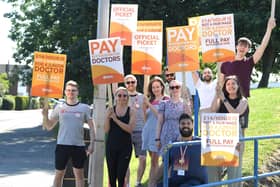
<point x="219" y="139"/>
<point x="106" y="60"/>
<point x="182" y="48"/>
<point x="123" y="22"/>
<point x="147" y="48"/>
<point x="217" y="38"/>
<point x="48" y="75"/>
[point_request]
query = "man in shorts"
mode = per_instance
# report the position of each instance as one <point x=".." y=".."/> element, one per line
<point x="71" y="116"/>
<point x="136" y="100"/>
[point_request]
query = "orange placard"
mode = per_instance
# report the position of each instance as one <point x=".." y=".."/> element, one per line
<point x="106" y="60"/>
<point x="182" y="48"/>
<point x="217" y="38"/>
<point x="219" y="139"/>
<point x="48" y="75"/>
<point x="123" y="22"/>
<point x="147" y="48"/>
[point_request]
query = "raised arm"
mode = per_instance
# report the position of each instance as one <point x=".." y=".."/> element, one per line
<point x="107" y="120"/>
<point x="49" y="124"/>
<point x="195" y="77"/>
<point x="149" y="105"/>
<point x="260" y="50"/>
<point x="217" y="99"/>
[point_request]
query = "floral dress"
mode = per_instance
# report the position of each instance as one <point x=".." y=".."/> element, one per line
<point x="170" y="127"/>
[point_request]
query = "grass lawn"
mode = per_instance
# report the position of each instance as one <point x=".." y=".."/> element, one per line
<point x="264" y="120"/>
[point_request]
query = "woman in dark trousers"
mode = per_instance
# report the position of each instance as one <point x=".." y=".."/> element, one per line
<point x="119" y="124"/>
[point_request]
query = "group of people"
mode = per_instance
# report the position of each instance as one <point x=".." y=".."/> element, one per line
<point x="149" y="123"/>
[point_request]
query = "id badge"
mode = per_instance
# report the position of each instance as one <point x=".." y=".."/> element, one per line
<point x="181" y="172"/>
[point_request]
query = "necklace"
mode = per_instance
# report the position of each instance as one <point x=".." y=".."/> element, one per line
<point x="182" y="153"/>
<point x="121" y="111"/>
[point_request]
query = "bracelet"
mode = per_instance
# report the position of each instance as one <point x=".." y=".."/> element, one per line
<point x="157" y="139"/>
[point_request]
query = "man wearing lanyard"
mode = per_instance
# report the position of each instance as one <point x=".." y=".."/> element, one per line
<point x="136" y="100"/>
<point x="184" y="161"/>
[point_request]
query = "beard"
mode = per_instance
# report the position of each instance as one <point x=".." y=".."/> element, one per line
<point x="207" y="79"/>
<point x="186" y="132"/>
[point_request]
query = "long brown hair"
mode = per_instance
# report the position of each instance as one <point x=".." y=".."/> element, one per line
<point x="151" y="95"/>
<point x="239" y="90"/>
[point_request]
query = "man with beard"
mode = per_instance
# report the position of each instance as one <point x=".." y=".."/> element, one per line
<point x="206" y="88"/>
<point x="184" y="161"/>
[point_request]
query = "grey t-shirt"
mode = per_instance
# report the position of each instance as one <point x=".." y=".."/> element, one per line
<point x="71" y="121"/>
<point x="136" y="102"/>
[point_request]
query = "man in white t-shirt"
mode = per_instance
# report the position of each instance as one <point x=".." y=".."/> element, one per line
<point x="206" y="88"/>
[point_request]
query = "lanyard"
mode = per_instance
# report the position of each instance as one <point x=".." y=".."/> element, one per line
<point x="182" y="153"/>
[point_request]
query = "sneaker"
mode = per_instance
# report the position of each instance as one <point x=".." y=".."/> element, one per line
<point x="139" y="185"/>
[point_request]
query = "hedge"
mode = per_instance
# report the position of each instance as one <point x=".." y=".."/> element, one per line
<point x="22" y="102"/>
<point x="8" y="102"/>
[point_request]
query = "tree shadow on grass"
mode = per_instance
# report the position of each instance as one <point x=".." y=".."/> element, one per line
<point x="26" y="150"/>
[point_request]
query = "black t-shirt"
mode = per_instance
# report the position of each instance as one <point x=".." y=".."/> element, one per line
<point x="117" y="137"/>
<point x="234" y="103"/>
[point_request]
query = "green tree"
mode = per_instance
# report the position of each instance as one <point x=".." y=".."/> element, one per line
<point x="4" y="84"/>
<point x="59" y="26"/>
<point x="65" y="26"/>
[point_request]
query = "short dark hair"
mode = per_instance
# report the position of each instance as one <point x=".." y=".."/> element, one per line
<point x="185" y="116"/>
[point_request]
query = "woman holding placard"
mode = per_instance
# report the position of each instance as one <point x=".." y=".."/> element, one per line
<point x="155" y="94"/>
<point x="229" y="99"/>
<point x="119" y="124"/>
<point x="169" y="113"/>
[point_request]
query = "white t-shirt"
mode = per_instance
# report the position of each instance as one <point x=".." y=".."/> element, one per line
<point x="206" y="92"/>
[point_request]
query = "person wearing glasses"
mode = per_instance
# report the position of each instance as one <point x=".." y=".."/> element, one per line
<point x="155" y="94"/>
<point x="119" y="125"/>
<point x="136" y="101"/>
<point x="168" y="115"/>
<point x="185" y="92"/>
<point x="71" y="116"/>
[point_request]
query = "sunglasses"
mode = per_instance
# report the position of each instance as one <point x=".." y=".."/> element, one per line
<point x="175" y="87"/>
<point x="122" y="95"/>
<point x="130" y="82"/>
<point x="169" y="75"/>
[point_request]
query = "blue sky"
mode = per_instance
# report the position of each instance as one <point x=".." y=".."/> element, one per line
<point x="7" y="46"/>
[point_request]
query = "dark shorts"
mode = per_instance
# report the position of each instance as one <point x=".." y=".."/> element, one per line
<point x="64" y="152"/>
<point x="137" y="143"/>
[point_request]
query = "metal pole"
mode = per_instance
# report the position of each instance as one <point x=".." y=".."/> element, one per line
<point x="96" y="166"/>
<point x="256" y="165"/>
<point x="196" y="109"/>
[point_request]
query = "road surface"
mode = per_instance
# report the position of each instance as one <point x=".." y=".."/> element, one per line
<point x="26" y="151"/>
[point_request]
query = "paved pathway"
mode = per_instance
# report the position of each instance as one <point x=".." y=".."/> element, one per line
<point x="26" y="151"/>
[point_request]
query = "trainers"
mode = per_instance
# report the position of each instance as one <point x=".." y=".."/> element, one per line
<point x="139" y="185"/>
